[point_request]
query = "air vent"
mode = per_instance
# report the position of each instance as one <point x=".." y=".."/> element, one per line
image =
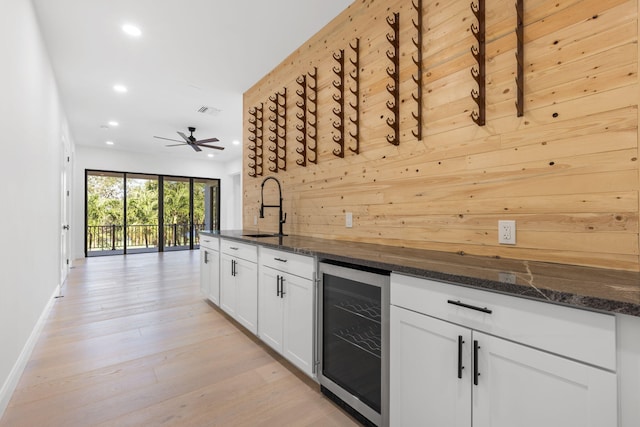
<point x="209" y="110"/>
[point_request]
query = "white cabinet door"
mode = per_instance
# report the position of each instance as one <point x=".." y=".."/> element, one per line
<point x="227" y="284"/>
<point x="246" y="284"/>
<point x="270" y="308"/>
<point x="204" y="271"/>
<point x="298" y="321"/>
<point x="425" y="388"/>
<point x="524" y="387"/>
<point x="213" y="261"/>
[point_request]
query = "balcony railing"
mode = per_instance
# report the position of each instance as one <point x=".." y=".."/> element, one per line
<point x="111" y="237"/>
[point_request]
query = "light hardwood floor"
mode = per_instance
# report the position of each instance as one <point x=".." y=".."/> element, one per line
<point x="132" y="343"/>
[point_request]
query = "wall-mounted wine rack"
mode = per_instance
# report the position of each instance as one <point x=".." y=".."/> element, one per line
<point x="302" y="119"/>
<point x="417" y="78"/>
<point x="312" y="116"/>
<point x="478" y="71"/>
<point x="520" y="57"/>
<point x="354" y="88"/>
<point x="307" y="118"/>
<point x="338" y="97"/>
<point x="394" y="72"/>
<point x="255" y="138"/>
<point x="278" y="128"/>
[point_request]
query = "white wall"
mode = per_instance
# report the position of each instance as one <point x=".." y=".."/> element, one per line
<point x="124" y="161"/>
<point x="32" y="127"/>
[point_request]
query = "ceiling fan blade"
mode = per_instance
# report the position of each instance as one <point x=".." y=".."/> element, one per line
<point x="175" y="145"/>
<point x="168" y="139"/>
<point x="208" y="140"/>
<point x="185" y="137"/>
<point x="195" y="147"/>
<point x="211" y="146"/>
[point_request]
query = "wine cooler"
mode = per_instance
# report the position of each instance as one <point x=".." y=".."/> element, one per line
<point x="354" y="340"/>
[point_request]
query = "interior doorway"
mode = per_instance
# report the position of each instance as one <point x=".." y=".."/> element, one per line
<point x="65" y="209"/>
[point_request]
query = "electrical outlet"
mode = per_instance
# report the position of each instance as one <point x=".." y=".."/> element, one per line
<point x="348" y="220"/>
<point x="507" y="232"/>
<point x="507" y="277"/>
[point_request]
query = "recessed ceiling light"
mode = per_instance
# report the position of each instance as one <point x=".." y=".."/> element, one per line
<point x="210" y="155"/>
<point x="114" y="123"/>
<point x="132" y="30"/>
<point x="236" y="142"/>
<point x="120" y="88"/>
<point x="109" y="142"/>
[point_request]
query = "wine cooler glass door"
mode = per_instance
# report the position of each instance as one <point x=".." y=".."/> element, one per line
<point x="352" y="350"/>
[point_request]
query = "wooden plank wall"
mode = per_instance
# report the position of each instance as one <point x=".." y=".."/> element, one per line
<point x="566" y="171"/>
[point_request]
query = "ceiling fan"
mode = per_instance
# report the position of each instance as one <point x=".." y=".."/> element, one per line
<point x="192" y="141"/>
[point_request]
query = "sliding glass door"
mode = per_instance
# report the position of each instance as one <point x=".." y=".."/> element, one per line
<point x="142" y="213"/>
<point x="206" y="213"/>
<point x="177" y="213"/>
<point x="105" y="213"/>
<point x="133" y="212"/>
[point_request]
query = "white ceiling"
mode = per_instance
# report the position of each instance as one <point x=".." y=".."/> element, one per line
<point x="192" y="53"/>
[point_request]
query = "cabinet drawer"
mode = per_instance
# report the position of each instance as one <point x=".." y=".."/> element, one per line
<point x="239" y="250"/>
<point x="578" y="334"/>
<point x="288" y="262"/>
<point x="209" y="242"/>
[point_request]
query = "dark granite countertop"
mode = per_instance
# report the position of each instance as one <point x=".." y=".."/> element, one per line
<point x="613" y="291"/>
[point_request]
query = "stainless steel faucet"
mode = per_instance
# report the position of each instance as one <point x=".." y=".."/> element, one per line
<point x="282" y="217"/>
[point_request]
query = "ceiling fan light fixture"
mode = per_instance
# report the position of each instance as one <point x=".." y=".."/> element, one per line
<point x="192" y="141"/>
<point x="132" y="30"/>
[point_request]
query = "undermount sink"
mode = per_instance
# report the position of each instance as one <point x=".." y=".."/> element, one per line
<point x="260" y="235"/>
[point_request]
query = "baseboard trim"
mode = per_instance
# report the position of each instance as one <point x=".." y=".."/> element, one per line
<point x="10" y="384"/>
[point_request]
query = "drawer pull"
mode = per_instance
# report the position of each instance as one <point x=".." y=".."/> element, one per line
<point x="472" y="307"/>
<point x="280" y="259"/>
<point x="233" y="248"/>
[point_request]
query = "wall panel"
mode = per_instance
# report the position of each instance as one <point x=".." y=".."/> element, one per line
<point x="567" y="171"/>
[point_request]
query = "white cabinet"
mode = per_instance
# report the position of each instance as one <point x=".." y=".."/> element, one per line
<point x="210" y="268"/>
<point x="519" y="385"/>
<point x="286" y="305"/>
<point x="454" y="369"/>
<point x="239" y="282"/>
<point x="424" y="384"/>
